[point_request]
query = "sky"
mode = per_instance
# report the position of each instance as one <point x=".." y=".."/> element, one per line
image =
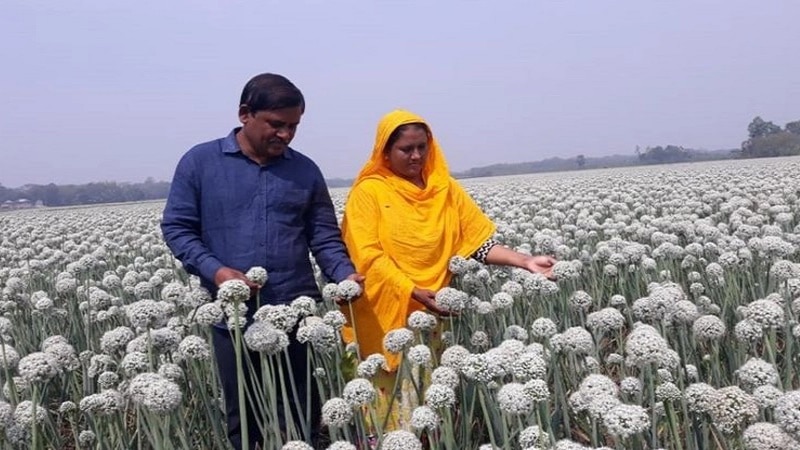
<point x="119" y="90"/>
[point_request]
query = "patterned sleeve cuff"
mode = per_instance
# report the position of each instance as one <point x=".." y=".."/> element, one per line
<point x="481" y="254"/>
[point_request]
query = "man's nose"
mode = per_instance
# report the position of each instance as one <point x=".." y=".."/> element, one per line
<point x="284" y="133"/>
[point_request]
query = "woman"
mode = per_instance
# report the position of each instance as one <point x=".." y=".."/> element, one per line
<point x="404" y="219"/>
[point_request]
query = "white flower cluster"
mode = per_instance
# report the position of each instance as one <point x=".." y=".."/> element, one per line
<point x="155" y="393"/>
<point x="399" y="340"/>
<point x="645" y="346"/>
<point x="731" y="409"/>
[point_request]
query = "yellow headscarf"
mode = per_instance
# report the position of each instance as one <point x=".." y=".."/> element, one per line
<point x="401" y="236"/>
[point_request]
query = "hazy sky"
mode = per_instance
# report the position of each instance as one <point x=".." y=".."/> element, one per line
<point x="109" y="90"/>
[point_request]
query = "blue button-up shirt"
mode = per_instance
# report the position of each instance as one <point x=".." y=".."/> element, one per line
<point x="224" y="209"/>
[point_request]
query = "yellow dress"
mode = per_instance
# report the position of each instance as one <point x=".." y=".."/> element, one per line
<point x="400" y="237"/>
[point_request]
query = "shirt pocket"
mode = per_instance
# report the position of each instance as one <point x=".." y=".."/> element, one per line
<point x="293" y="202"/>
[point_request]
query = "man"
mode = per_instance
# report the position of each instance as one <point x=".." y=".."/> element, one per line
<point x="248" y="200"/>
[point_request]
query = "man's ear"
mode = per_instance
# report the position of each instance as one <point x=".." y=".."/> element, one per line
<point x="244" y="113"/>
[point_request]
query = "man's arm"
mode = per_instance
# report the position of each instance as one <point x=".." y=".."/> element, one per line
<point x="324" y="235"/>
<point x="181" y="226"/>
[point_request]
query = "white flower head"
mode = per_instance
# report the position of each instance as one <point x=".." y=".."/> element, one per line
<point x="146" y="314"/>
<point x="335" y="319"/>
<point x="543" y="328"/>
<point x="296" y="445"/>
<point x="38" y="367"/>
<point x="155" y="393"/>
<point x="420" y="355"/>
<point x="767" y="436"/>
<point x="233" y="291"/>
<point x="605" y="321"/>
<point x="370" y="366"/>
<point x="359" y="392"/>
<point x="451" y="300"/>
<point x="708" y="328"/>
<point x="194" y="347"/>
<point x="398" y="340"/>
<point x="425" y="418"/>
<point x="26" y="413"/>
<point x="731" y="408"/>
<point x="787" y="413"/>
<point x="767" y="396"/>
<point x="282" y="317"/>
<point x="265" y="338"/>
<point x="421" y="320"/>
<point x="502" y="300"/>
<point x="528" y="366"/>
<point x="574" y="340"/>
<point x="515" y="332"/>
<point x="514" y="399"/>
<point x="479" y="340"/>
<point x="209" y="314"/>
<point x="580" y="301"/>
<point x="624" y="421"/>
<point x="401" y="440"/>
<point x="9" y="358"/>
<point x="348" y="290"/>
<point x="323" y="338"/>
<point x="329" y="292"/>
<point x="105" y="403"/>
<point x="439" y="396"/>
<point x="766" y="313"/>
<point x="257" y="275"/>
<point x="341" y="445"/>
<point x="304" y="305"/>
<point x="756" y="372"/>
<point x="337" y="412"/>
<point x="537" y="390"/>
<point x="458" y="265"/>
<point x="454" y="356"/>
<point x="533" y="437"/>
<point x="445" y="375"/>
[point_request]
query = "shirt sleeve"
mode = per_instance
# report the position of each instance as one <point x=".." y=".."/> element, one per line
<point x="481" y="254"/>
<point x="362" y="216"/>
<point x="180" y="223"/>
<point x="324" y="235"/>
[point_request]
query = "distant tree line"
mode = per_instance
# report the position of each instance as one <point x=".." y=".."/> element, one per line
<point x="768" y="140"/>
<point x="86" y="194"/>
<point x="765" y="139"/>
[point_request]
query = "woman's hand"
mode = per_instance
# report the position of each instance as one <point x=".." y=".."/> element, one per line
<point x="428" y="298"/>
<point x="541" y="264"/>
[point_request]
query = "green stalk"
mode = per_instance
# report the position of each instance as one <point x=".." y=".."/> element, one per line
<point x="237" y="349"/>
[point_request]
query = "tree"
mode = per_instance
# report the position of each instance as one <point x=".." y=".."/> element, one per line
<point x="760" y="128"/>
<point x="775" y="144"/>
<point x="664" y="155"/>
<point x="793" y="127"/>
<point x="769" y="140"/>
<point x="581" y="160"/>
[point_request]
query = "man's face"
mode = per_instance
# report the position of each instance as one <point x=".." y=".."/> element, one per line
<point x="269" y="132"/>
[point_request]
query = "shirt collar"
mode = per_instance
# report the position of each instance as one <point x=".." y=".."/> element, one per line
<point x="230" y="145"/>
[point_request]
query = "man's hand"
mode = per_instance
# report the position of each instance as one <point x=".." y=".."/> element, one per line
<point x="357" y="277"/>
<point x="428" y="299"/>
<point x="226" y="273"/>
<point x="541" y="264"/>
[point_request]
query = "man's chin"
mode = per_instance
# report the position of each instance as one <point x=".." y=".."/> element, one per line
<point x="276" y="150"/>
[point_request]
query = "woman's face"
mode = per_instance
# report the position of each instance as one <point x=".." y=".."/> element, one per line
<point x="406" y="157"/>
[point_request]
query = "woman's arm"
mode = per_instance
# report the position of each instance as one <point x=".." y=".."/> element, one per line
<point x="504" y="256"/>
